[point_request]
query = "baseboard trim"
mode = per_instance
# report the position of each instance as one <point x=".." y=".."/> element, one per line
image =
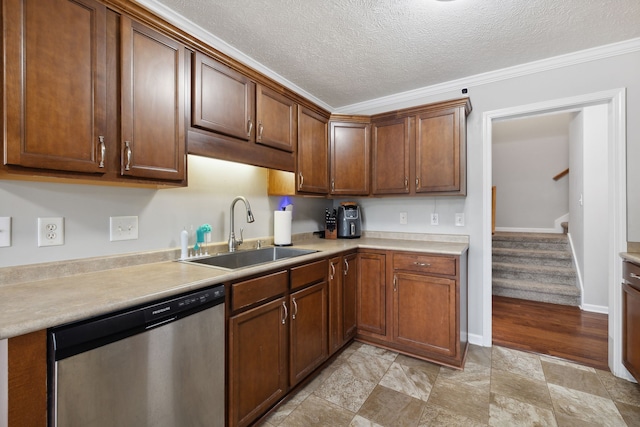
<point x="477" y="340"/>
<point x="603" y="309"/>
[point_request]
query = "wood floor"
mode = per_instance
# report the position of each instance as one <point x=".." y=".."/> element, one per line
<point x="555" y="330"/>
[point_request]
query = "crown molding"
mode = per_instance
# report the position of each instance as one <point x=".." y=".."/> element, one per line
<point x="416" y="95"/>
<point x="224" y="47"/>
<point x="403" y="98"/>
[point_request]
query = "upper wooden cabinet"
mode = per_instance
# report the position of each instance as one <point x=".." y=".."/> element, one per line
<point x="390" y="157"/>
<point x="276" y="117"/>
<point x="55" y="84"/>
<point x="421" y="150"/>
<point x="440" y="154"/>
<point x="223" y="100"/>
<point x="313" y="153"/>
<point x="91" y="94"/>
<point x="349" y="144"/>
<point x="153" y="130"/>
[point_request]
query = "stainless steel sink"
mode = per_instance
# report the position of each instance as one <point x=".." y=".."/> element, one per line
<point x="241" y="259"/>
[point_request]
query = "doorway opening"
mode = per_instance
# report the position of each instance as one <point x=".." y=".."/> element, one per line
<point x="615" y="232"/>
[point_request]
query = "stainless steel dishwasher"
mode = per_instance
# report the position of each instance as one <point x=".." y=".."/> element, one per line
<point x="161" y="364"/>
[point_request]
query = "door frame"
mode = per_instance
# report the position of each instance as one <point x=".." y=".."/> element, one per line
<point x="616" y="100"/>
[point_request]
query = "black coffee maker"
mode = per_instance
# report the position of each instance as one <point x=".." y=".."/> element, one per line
<point x="349" y="223"/>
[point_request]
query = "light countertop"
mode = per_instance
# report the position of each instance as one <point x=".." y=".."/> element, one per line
<point x="38" y="304"/>
<point x="631" y="256"/>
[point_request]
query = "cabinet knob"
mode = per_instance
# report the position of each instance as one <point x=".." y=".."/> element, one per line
<point x="103" y="151"/>
<point x="128" y="153"/>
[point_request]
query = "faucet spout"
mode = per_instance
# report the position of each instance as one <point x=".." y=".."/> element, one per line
<point x="233" y="242"/>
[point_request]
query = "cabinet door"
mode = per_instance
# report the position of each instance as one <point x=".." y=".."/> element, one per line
<point x="276" y="119"/>
<point x="153" y="131"/>
<point x="390" y="157"/>
<point x="350" y="158"/>
<point x="335" y="304"/>
<point x="223" y="99"/>
<point x="349" y="298"/>
<point x="371" y="296"/>
<point x="631" y="329"/>
<point x="308" y="336"/>
<point x="438" y="151"/>
<point x="257" y="361"/>
<point x="55" y="84"/>
<point x="425" y="313"/>
<point x="313" y="153"/>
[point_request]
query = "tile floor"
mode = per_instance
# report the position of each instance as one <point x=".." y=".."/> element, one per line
<point x="369" y="386"/>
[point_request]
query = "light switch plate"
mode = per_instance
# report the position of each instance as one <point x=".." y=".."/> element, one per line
<point x="460" y="220"/>
<point x="434" y="219"/>
<point x="123" y="228"/>
<point x="403" y="218"/>
<point x="5" y="231"/>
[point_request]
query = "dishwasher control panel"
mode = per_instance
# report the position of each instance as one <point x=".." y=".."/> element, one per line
<point x="172" y="308"/>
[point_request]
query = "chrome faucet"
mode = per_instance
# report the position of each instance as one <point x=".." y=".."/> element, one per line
<point x="233" y="243"/>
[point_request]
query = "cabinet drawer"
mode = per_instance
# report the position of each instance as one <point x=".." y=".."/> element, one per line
<point x="309" y="273"/>
<point x="425" y="263"/>
<point x="631" y="274"/>
<point x="244" y="294"/>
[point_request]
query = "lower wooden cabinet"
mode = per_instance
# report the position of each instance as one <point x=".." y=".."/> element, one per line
<point x="343" y="274"/>
<point x="421" y="307"/>
<point x="258" y="349"/>
<point x="278" y="335"/>
<point x="631" y="319"/>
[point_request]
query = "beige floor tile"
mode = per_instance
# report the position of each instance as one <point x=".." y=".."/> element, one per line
<point x="523" y="389"/>
<point x="345" y="389"/>
<point x="461" y="399"/>
<point x="318" y="412"/>
<point x="367" y="366"/>
<point x="517" y="362"/>
<point x="619" y="389"/>
<point x="479" y="355"/>
<point x="408" y="380"/>
<point x="630" y="413"/>
<point x="390" y="408"/>
<point x="573" y="407"/>
<point x="359" y="421"/>
<point x="435" y="416"/>
<point x="574" y="378"/>
<point x="474" y="374"/>
<point x="505" y="411"/>
<point x="377" y="351"/>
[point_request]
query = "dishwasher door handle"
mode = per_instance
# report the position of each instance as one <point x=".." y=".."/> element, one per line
<point x="171" y="319"/>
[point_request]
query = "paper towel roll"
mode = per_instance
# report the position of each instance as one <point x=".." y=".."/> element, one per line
<point x="281" y="228"/>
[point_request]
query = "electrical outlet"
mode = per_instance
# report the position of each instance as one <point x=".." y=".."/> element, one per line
<point x="403" y="218"/>
<point x="123" y="228"/>
<point x="5" y="231"/>
<point x="50" y="231"/>
<point x="459" y="220"/>
<point x="434" y="219"/>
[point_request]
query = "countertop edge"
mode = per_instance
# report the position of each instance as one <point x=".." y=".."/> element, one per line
<point x="631" y="256"/>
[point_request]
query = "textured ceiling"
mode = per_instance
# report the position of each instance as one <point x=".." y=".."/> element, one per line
<point x="349" y="51"/>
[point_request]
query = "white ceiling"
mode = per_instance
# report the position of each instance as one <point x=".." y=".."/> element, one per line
<point x="348" y="51"/>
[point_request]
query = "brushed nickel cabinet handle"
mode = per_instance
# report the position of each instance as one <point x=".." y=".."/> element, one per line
<point x="406" y="182"/>
<point x="260" y="130"/>
<point x="300" y="180"/>
<point x="346" y="267"/>
<point x="417" y="182"/>
<point x="286" y="313"/>
<point x="422" y="264"/>
<point x="395" y="283"/>
<point x="295" y="309"/>
<point x="333" y="185"/>
<point x="249" y="127"/>
<point x="634" y="276"/>
<point x="103" y="150"/>
<point x="333" y="271"/>
<point x="128" y="154"/>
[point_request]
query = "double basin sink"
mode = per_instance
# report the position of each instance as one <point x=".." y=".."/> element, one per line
<point x="248" y="258"/>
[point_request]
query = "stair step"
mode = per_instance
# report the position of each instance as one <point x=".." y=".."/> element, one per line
<point x="535" y="291"/>
<point x="535" y="273"/>
<point x="542" y="241"/>
<point x="537" y="257"/>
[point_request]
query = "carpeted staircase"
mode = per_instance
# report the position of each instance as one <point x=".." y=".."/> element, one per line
<point x="536" y="267"/>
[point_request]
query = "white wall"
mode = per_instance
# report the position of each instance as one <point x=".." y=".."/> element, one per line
<point x="597" y="200"/>
<point x="162" y="214"/>
<point x="524" y="163"/>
